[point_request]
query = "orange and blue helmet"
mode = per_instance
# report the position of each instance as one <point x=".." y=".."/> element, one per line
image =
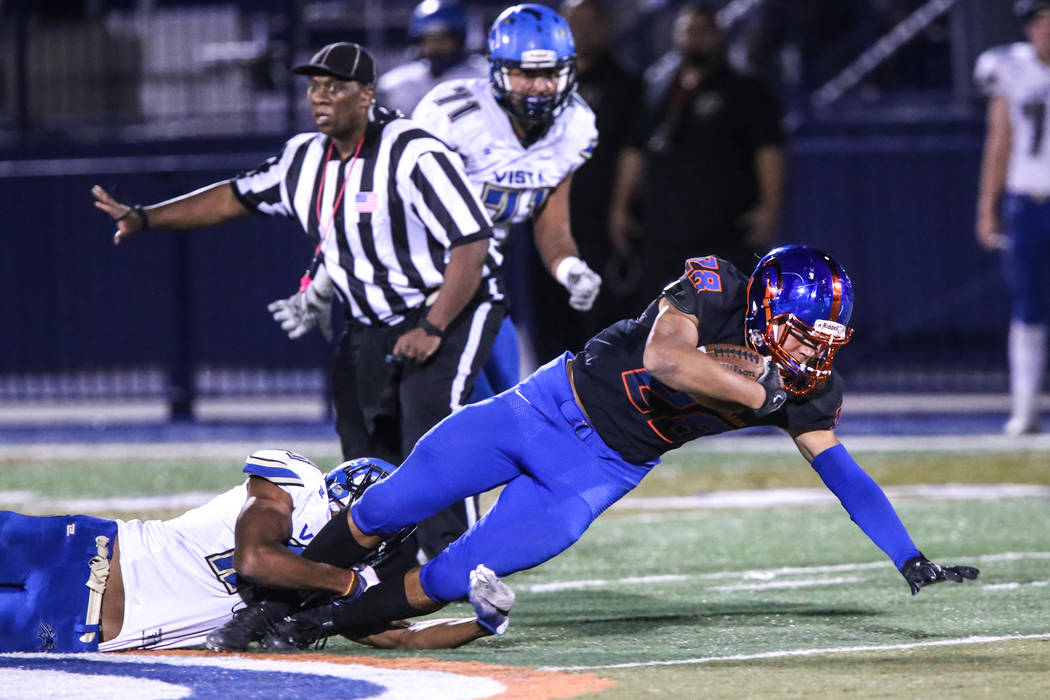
<point x="800" y="291"/>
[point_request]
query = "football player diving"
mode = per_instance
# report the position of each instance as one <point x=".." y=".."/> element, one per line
<point x="583" y="430"/>
<point x="73" y="583"/>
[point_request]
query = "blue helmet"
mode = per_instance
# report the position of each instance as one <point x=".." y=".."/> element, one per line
<point x="531" y="37"/>
<point x="349" y="480"/>
<point x="437" y="17"/>
<point x="798" y="290"/>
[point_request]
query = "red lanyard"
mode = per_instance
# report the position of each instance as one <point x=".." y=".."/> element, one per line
<point x="304" y="282"/>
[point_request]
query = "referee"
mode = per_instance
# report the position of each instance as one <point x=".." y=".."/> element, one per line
<point x="401" y="237"/>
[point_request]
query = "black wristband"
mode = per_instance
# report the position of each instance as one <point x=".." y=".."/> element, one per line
<point x="138" y="211"/>
<point x="429" y="328"/>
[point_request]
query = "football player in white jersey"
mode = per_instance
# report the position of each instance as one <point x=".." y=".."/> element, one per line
<point x="522" y="133"/>
<point x="439" y="28"/>
<point x="1015" y="192"/>
<point x="78" y="583"/>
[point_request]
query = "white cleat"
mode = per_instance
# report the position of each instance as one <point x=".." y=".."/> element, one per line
<point x="1019" y="425"/>
<point x="491" y="598"/>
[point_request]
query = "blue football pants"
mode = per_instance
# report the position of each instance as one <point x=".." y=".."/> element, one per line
<point x="43" y="572"/>
<point x="1027" y="223"/>
<point x="559" y="475"/>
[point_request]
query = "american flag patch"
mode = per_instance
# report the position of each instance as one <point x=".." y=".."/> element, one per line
<point x="365" y="202"/>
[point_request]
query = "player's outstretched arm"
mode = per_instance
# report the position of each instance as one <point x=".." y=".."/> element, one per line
<point x="444" y="633"/>
<point x="492" y="600"/>
<point x="868" y="506"/>
<point x="204" y="207"/>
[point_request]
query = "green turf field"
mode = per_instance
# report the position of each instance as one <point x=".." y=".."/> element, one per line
<point x="744" y="601"/>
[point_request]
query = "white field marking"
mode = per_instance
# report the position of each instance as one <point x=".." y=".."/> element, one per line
<point x="38" y="684"/>
<point x="769" y="498"/>
<point x="733" y="443"/>
<point x="131" y="504"/>
<point x="597" y="583"/>
<point x="398" y="683"/>
<point x="802" y="583"/>
<point x="1014" y="585"/>
<point x="760" y="574"/>
<point x="806" y="652"/>
<point x="756" y="498"/>
<point x="234" y="450"/>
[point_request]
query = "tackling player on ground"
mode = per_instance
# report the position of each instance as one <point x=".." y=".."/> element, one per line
<point x="78" y="583"/>
<point x="582" y="431"/>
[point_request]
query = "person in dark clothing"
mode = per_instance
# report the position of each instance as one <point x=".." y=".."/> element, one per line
<point x="708" y="162"/>
<point x="613" y="93"/>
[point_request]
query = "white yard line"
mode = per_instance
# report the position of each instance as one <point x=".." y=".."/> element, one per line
<point x="805" y="652"/>
<point x="801" y="583"/>
<point x="768" y="498"/>
<point x="732" y="443"/>
<point x="757" y="498"/>
<point x="153" y="451"/>
<point x="760" y="574"/>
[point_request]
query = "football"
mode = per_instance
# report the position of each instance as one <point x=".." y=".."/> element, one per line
<point x="744" y="361"/>
<point x="738" y="358"/>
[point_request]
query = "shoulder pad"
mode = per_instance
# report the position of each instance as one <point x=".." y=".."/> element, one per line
<point x="280" y="467"/>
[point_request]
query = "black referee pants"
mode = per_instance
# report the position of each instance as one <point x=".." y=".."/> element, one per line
<point x="384" y="406"/>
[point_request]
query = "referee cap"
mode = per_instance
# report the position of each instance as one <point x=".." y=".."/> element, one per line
<point x="342" y="60"/>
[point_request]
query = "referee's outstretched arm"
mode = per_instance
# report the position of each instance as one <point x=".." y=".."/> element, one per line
<point x="205" y="207"/>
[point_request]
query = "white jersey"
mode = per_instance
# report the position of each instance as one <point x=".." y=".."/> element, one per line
<point x="404" y="86"/>
<point x="179" y="581"/>
<point x="512" y="181"/>
<point x="1015" y="73"/>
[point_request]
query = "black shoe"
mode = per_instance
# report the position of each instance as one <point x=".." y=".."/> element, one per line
<point x="301" y="630"/>
<point x="248" y="625"/>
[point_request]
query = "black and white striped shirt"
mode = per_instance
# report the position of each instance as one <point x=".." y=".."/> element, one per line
<point x="406" y="202"/>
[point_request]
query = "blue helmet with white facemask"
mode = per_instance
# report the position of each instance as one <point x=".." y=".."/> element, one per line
<point x="799" y="291"/>
<point x="532" y="37"/>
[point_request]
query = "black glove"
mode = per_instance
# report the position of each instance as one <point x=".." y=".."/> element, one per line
<point x="920" y="571"/>
<point x="775" y="394"/>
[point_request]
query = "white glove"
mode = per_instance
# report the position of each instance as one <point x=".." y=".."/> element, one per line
<point x="582" y="282"/>
<point x="299" y="313"/>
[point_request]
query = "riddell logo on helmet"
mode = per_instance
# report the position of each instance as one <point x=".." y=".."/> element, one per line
<point x="835" y="330"/>
<point x="539" y="58"/>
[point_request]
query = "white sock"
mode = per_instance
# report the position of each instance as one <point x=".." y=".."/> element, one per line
<point x="1027" y="351"/>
